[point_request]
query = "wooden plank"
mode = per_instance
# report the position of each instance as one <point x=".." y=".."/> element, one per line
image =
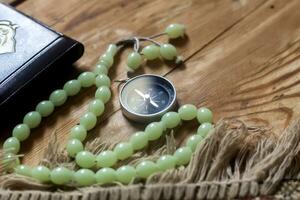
<point x="241" y="47"/>
<point x="49" y="12"/>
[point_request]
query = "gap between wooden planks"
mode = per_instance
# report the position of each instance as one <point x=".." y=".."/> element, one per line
<point x="246" y="63"/>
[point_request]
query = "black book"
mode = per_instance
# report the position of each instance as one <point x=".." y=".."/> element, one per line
<point x="31" y="57"/>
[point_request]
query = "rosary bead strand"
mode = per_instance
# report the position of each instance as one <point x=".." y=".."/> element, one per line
<point x="106" y="159"/>
<point x="151" y="52"/>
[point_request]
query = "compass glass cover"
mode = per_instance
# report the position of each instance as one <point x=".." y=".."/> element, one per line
<point x="147" y="94"/>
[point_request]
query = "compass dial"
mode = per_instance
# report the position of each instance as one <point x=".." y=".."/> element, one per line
<point x="146" y="97"/>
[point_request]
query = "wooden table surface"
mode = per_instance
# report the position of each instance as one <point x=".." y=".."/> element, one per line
<point x="244" y="59"/>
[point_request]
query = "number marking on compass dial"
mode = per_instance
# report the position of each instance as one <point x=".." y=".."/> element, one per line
<point x="147" y="96"/>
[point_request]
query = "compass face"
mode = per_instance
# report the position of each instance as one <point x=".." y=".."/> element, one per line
<point x="146" y="97"/>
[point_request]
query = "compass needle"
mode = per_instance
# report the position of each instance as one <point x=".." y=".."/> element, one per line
<point x="139" y="93"/>
<point x="153" y="103"/>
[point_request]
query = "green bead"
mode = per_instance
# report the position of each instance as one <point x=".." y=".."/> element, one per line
<point x="166" y="162"/>
<point x="21" y="132"/>
<point x="106" y="175"/>
<point x="154" y="130"/>
<point x="151" y="52"/>
<point x="32" y="119"/>
<point x="85" y="159"/>
<point x="187" y="112"/>
<point x="78" y="132"/>
<point x="193" y="141"/>
<point x="88" y="120"/>
<point x="45" y="108"/>
<point x="168" y="51"/>
<point x="106" y="159"/>
<point x="102" y="80"/>
<point x="139" y="140"/>
<point x="97" y="107"/>
<point x="41" y="173"/>
<point x="204" y="115"/>
<point x="87" y="79"/>
<point x="72" y="87"/>
<point x="10" y="161"/>
<point x="204" y="129"/>
<point x="58" y="97"/>
<point x="146" y="168"/>
<point x="125" y="174"/>
<point x="183" y="155"/>
<point x="175" y="30"/>
<point x="11" y="145"/>
<point x="23" y="170"/>
<point x="100" y="69"/>
<point x="123" y="150"/>
<point x="106" y="59"/>
<point x="171" y="119"/>
<point x="112" y="49"/>
<point x="61" y="175"/>
<point x="103" y="93"/>
<point x="73" y="147"/>
<point x="85" y="177"/>
<point x="134" y="60"/>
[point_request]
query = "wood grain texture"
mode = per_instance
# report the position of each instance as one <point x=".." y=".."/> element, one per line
<point x="243" y="59"/>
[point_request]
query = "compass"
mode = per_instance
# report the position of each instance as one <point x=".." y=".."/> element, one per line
<point x="147" y="97"/>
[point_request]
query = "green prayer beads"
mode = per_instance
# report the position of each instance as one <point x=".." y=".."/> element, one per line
<point x="168" y="51"/>
<point x="58" y="97"/>
<point x="187" y="112"/>
<point x="72" y="87"/>
<point x="23" y="170"/>
<point x="84" y="177"/>
<point x="87" y="79"/>
<point x="193" y="141"/>
<point x="123" y="150"/>
<point x="146" y="168"/>
<point x="154" y="130"/>
<point x="88" y="120"/>
<point x="126" y="174"/>
<point x="102" y="80"/>
<point x="105" y="160"/>
<point x="32" y="119"/>
<point x="11" y="145"/>
<point x="106" y="59"/>
<point x="85" y="159"/>
<point x="73" y="147"/>
<point x="10" y="161"/>
<point x="106" y="175"/>
<point x="204" y="115"/>
<point x="175" y="30"/>
<point x="139" y="140"/>
<point x="61" y="175"/>
<point x="204" y="129"/>
<point x="78" y="132"/>
<point x="45" y="108"/>
<point x="171" y="119"/>
<point x="21" y="132"/>
<point x="166" y="162"/>
<point x="183" y="155"/>
<point x="96" y="107"/>
<point x="151" y="52"/>
<point x="41" y="173"/>
<point x="134" y="60"/>
<point x="103" y="93"/>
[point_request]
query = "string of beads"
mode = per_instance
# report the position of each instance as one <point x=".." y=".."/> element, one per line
<point x="106" y="160"/>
